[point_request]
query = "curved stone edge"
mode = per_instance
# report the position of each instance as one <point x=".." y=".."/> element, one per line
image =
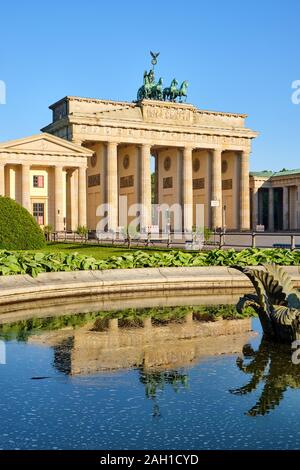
<point x="18" y="290"/>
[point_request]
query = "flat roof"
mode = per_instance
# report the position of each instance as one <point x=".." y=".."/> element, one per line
<point x="274" y="174"/>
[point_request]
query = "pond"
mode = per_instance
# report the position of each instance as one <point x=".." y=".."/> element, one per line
<point x="89" y="382"/>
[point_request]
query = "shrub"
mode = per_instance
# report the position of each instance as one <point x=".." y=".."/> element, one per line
<point x="18" y="229"/>
<point x="82" y="231"/>
<point x="48" y="230"/>
<point x="35" y="263"/>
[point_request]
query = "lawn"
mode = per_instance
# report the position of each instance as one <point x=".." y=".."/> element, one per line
<point x="96" y="251"/>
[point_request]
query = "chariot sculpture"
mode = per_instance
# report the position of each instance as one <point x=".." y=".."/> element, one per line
<point x="153" y="90"/>
<point x="276" y="302"/>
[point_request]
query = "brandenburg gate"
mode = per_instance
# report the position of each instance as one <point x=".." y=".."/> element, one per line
<point x="201" y="157"/>
<point x="156" y="152"/>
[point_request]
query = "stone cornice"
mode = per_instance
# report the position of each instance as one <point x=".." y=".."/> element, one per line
<point x="42" y="160"/>
<point x="134" y="104"/>
<point x="44" y="155"/>
<point x="286" y="180"/>
<point x="180" y="129"/>
<point x="92" y="100"/>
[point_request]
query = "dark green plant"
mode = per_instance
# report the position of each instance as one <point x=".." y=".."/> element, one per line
<point x="48" y="229"/>
<point x="18" y="229"/>
<point x="82" y="231"/>
<point x="208" y="233"/>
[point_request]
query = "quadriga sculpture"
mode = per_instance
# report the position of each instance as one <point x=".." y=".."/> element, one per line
<point x="276" y="302"/>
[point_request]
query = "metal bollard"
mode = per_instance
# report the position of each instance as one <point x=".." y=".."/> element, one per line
<point x="221" y="240"/>
<point x="253" y="240"/>
<point x="293" y="242"/>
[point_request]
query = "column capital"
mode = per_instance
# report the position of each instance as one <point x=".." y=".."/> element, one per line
<point x="216" y="152"/>
<point x="145" y="148"/>
<point x="245" y="153"/>
<point x="145" y="144"/>
<point x="187" y="151"/>
<point x="112" y="144"/>
<point x="188" y="147"/>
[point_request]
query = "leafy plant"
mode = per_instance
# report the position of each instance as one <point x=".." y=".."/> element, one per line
<point x="82" y="231"/>
<point x="17" y="262"/>
<point x="48" y="229"/>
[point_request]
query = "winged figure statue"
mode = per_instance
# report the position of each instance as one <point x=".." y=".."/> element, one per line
<point x="154" y="56"/>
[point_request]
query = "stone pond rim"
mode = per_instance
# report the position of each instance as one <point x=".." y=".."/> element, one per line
<point x="58" y="290"/>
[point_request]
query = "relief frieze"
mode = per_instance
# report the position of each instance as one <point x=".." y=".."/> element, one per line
<point x="167" y="114"/>
<point x="159" y="136"/>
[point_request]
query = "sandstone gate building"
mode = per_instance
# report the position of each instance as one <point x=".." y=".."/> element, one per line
<point x="94" y="151"/>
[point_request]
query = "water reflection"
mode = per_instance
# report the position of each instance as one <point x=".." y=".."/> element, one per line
<point x="162" y="345"/>
<point x="272" y="366"/>
<point x="155" y="345"/>
<point x="157" y="381"/>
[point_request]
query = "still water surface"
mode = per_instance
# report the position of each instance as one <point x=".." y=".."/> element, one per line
<point x="216" y="402"/>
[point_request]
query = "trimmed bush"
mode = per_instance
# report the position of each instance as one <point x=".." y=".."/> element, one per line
<point x="18" y="229"/>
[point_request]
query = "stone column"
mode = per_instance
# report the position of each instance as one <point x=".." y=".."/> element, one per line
<point x="26" y="187"/>
<point x="236" y="188"/>
<point x="145" y="185"/>
<point x="74" y="199"/>
<point x="245" y="194"/>
<point x="271" y="210"/>
<point x="255" y="209"/>
<point x="187" y="193"/>
<point x="112" y="185"/>
<point x="216" y="188"/>
<point x="156" y="179"/>
<point x="285" y="203"/>
<point x="82" y="196"/>
<point x="260" y="207"/>
<point x="298" y="208"/>
<point x="58" y="203"/>
<point x="208" y="222"/>
<point x="2" y="179"/>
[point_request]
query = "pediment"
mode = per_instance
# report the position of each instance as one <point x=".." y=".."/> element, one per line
<point x="46" y="144"/>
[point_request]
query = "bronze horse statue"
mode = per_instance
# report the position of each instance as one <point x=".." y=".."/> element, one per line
<point x="170" y="92"/>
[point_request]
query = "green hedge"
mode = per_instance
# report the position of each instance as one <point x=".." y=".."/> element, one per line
<point x="18" y="229"/>
<point x="33" y="264"/>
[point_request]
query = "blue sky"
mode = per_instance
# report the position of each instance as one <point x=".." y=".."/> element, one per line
<point x="237" y="56"/>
